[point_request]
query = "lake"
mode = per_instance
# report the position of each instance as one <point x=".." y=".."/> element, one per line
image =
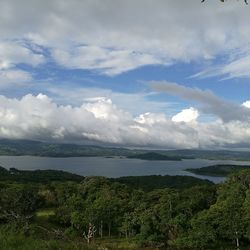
<point x="113" y="167"/>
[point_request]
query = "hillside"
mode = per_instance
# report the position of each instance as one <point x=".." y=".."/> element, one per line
<point x="218" y="170"/>
<point x="37" y="148"/>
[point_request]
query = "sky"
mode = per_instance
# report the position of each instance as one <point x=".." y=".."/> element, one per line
<point x="135" y="73"/>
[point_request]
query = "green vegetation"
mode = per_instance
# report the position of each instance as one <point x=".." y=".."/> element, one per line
<point x="218" y="170"/>
<point x="146" y="183"/>
<point x="37" y="176"/>
<point x="101" y="213"/>
<point x="45" y="213"/>
<point x="151" y="182"/>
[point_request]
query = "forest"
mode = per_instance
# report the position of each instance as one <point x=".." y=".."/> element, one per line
<point x="218" y="169"/>
<point x="69" y="212"/>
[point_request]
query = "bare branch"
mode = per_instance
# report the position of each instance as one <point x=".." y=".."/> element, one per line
<point x="246" y="2"/>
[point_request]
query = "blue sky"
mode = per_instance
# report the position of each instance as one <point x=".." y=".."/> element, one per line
<point x="144" y="69"/>
<point x="132" y="81"/>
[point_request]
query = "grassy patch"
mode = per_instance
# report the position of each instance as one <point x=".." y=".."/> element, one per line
<point x="45" y="213"/>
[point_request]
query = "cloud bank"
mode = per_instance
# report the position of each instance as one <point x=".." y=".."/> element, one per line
<point x="38" y="117"/>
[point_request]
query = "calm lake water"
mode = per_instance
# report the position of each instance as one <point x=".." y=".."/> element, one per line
<point x="113" y="167"/>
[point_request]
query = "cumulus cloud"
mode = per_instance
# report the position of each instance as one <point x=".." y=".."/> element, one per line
<point x="39" y="117"/>
<point x="186" y="115"/>
<point x="246" y="104"/>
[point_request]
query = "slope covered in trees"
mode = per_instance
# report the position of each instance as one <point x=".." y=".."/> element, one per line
<point x="151" y="182"/>
<point x="37" y="176"/>
<point x="100" y="213"/>
<point x="218" y="170"/>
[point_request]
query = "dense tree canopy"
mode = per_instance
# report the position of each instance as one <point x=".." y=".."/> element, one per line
<point x="202" y="216"/>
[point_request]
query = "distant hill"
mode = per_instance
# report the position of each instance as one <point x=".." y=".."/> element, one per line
<point x="153" y="156"/>
<point x="37" y="148"/>
<point x="218" y="170"/>
<point x="215" y="154"/>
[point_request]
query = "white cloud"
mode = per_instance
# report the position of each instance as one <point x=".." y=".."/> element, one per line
<point x="14" y="77"/>
<point x="237" y="68"/>
<point x="151" y="119"/>
<point x="246" y="104"/>
<point x="105" y="61"/>
<point x="13" y="53"/>
<point x="114" y="36"/>
<point x="234" y="68"/>
<point x="38" y="117"/>
<point x="186" y="115"/>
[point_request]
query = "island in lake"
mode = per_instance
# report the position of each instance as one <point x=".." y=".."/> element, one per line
<point x="153" y="156"/>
